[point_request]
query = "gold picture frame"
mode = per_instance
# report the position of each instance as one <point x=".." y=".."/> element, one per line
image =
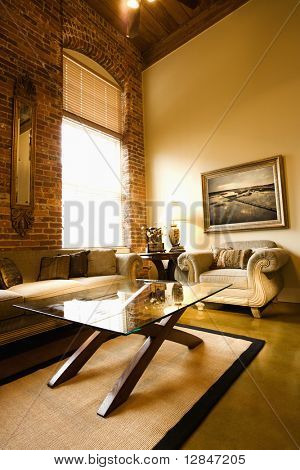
<point x="250" y="196"/>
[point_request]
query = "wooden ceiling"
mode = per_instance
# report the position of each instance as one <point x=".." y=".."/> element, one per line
<point x="165" y="24"/>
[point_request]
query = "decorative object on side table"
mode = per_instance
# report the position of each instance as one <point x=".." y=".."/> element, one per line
<point x="154" y="239"/>
<point x="174" y="231"/>
<point x="174" y="237"/>
<point x="245" y="197"/>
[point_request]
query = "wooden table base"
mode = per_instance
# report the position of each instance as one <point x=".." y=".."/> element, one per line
<point x="156" y="334"/>
<point x="159" y="258"/>
<point x="75" y="362"/>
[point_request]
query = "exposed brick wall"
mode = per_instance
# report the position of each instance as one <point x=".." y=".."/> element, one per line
<point x="33" y="34"/>
<point x="31" y="42"/>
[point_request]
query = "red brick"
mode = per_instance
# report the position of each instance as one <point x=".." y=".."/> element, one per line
<point x="33" y="34"/>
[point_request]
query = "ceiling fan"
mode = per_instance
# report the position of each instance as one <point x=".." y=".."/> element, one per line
<point x="134" y="13"/>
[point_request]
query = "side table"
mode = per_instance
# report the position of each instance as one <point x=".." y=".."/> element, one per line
<point x="158" y="258"/>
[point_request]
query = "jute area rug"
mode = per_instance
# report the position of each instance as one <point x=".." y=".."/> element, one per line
<point x="175" y="393"/>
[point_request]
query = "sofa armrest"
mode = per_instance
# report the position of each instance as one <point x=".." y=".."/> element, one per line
<point x="7" y="301"/>
<point x="128" y="265"/>
<point x="195" y="263"/>
<point x="268" y="260"/>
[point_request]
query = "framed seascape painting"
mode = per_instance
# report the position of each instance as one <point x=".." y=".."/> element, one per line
<point x="245" y="197"/>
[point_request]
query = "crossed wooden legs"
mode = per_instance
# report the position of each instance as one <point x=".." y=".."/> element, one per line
<point x="73" y="365"/>
<point x="156" y="334"/>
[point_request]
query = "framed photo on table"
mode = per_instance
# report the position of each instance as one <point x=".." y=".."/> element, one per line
<point x="245" y="197"/>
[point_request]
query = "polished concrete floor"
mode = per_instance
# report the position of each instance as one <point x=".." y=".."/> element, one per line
<point x="261" y="410"/>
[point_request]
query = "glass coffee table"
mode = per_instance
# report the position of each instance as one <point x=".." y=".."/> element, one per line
<point x="152" y="310"/>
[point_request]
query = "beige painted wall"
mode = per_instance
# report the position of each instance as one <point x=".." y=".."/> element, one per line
<point x="231" y="95"/>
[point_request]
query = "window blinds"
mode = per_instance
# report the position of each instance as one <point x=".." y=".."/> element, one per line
<point x="91" y="98"/>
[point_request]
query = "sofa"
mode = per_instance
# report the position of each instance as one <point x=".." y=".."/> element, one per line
<point x="15" y="324"/>
<point x="254" y="286"/>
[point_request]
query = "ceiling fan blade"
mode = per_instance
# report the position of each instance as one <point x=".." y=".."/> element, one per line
<point x="133" y="22"/>
<point x="190" y="3"/>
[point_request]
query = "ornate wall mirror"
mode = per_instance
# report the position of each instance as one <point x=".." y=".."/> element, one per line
<point x="23" y="155"/>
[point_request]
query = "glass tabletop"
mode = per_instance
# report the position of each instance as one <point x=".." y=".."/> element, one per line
<point x="129" y="309"/>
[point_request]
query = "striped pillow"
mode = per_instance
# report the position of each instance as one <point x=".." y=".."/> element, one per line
<point x="228" y="258"/>
<point x="9" y="274"/>
<point x="55" y="267"/>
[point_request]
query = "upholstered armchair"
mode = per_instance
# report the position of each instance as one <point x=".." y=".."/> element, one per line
<point x="253" y="287"/>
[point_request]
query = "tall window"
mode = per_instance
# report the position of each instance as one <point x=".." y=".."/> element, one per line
<point x="91" y="169"/>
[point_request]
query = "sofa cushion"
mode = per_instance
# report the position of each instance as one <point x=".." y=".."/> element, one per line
<point x="237" y="277"/>
<point x="54" y="267"/>
<point x="46" y="289"/>
<point x="9" y="274"/>
<point x="95" y="281"/>
<point x="100" y="286"/>
<point x="102" y="262"/>
<point x="79" y="264"/>
<point x="7" y="300"/>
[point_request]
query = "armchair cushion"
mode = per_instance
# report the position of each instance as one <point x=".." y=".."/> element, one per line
<point x="237" y="277"/>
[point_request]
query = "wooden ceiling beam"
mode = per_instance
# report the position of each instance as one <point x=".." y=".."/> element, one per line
<point x="147" y="33"/>
<point x="166" y="24"/>
<point x="190" y="13"/>
<point x="161" y="15"/>
<point x="148" y="19"/>
<point x="175" y="9"/>
<point x="206" y="18"/>
<point x="190" y="3"/>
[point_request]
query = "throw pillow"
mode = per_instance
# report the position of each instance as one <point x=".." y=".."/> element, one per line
<point x="56" y="267"/>
<point x="231" y="259"/>
<point x="9" y="274"/>
<point x="79" y="264"/>
<point x="216" y="253"/>
<point x="102" y="262"/>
